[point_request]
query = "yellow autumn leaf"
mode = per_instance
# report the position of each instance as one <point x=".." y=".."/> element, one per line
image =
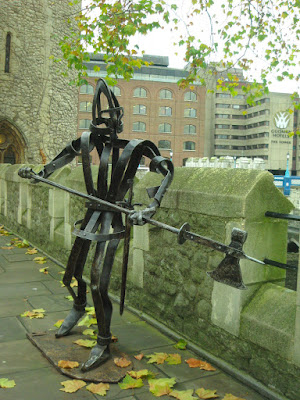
<point x="44" y="270"/>
<point x="122" y="362"/>
<point x="40" y="260"/>
<point x="230" y="396"/>
<point x="100" y="388"/>
<point x="158" y="358"/>
<point x="72" y="386"/>
<point x="206" y="394"/>
<point x="36" y="313"/>
<point x="67" y="364"/>
<point x="6" y="383"/>
<point x="142" y="373"/>
<point x="58" y="323"/>
<point x="31" y="251"/>
<point x="85" y="342"/>
<point x="173" y="359"/>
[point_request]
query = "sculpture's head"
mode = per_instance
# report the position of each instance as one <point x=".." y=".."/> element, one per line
<point x="106" y="121"/>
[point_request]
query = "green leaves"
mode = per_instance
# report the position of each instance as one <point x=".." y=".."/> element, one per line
<point x="131" y="383"/>
<point x="6" y="383"/>
<point x="161" y="387"/>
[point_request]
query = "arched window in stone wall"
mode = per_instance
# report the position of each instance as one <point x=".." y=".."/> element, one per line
<point x="7" y="52"/>
<point x="12" y="144"/>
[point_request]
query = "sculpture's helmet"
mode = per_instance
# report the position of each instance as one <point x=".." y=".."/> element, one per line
<point x="106" y="121"/>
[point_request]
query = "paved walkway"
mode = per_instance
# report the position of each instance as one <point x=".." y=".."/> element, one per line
<point x="23" y="287"/>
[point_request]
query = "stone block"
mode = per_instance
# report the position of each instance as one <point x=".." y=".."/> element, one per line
<point x="269" y="320"/>
<point x="136" y="274"/>
<point x="141" y="237"/>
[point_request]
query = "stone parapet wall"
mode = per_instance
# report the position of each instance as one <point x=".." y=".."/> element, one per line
<point x="257" y="329"/>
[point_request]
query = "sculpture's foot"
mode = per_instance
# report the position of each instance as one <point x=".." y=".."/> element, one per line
<point x="98" y="356"/>
<point x="70" y="321"/>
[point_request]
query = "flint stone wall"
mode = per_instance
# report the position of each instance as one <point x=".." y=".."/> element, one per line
<point x="256" y="330"/>
<point x="35" y="98"/>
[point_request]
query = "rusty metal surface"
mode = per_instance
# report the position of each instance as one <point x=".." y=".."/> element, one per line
<point x="64" y="349"/>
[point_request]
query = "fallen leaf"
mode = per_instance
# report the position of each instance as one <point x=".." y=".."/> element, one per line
<point x="87" y="321"/>
<point x="160" y="387"/>
<point x="67" y="364"/>
<point x="85" y="342"/>
<point x="195" y="363"/>
<point x="139" y="356"/>
<point x="44" y="270"/>
<point x="6" y="383"/>
<point x="114" y="339"/>
<point x="143" y="373"/>
<point x="183" y="394"/>
<point x="122" y="362"/>
<point x="58" y="323"/>
<point x="173" y="359"/>
<point x="158" y="358"/>
<point x="70" y="298"/>
<point x="72" y="386"/>
<point x="21" y="244"/>
<point x="89" y="332"/>
<point x="90" y="311"/>
<point x="230" y="396"/>
<point x="181" y="344"/>
<point x="37" y="313"/>
<point x="129" y="383"/>
<point x="40" y="260"/>
<point x="206" y="394"/>
<point x="7" y="247"/>
<point x="74" y="284"/>
<point x="99" y="388"/>
<point x="31" y="251"/>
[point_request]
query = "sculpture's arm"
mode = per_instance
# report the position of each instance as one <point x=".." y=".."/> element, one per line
<point x="165" y="167"/>
<point x="63" y="158"/>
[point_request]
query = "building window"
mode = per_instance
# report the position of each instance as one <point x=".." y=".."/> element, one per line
<point x="222" y="126"/>
<point x="139" y="109"/>
<point x="189" y="129"/>
<point x="223" y="95"/>
<point x="220" y="105"/>
<point x="222" y="136"/>
<point x="239" y="96"/>
<point x="116" y="90"/>
<point x="164" y="128"/>
<point x="190" y="112"/>
<point x="223" y="116"/>
<point x="139" y="92"/>
<point x="165" y="111"/>
<point x="85" y="106"/>
<point x="86" y="89"/>
<point x="164" y="144"/>
<point x="221" y="147"/>
<point x="165" y="94"/>
<point x="239" y="106"/>
<point x="84" y="123"/>
<point x="7" y="52"/>
<point x="139" y="126"/>
<point x="189" y="146"/>
<point x="190" y="96"/>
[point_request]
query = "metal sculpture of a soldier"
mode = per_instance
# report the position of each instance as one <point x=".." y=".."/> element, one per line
<point x="101" y="224"/>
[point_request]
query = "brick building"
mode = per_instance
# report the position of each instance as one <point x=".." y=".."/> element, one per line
<point x="154" y="108"/>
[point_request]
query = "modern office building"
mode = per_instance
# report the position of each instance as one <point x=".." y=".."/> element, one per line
<point x="196" y="123"/>
<point x="154" y="108"/>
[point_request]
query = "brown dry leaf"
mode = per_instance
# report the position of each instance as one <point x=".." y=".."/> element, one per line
<point x="230" y="396"/>
<point x="31" y="251"/>
<point x="206" y="394"/>
<point x="7" y="247"/>
<point x="67" y="364"/>
<point x="193" y="362"/>
<point x="37" y="313"/>
<point x="206" y="366"/>
<point x="122" y="362"/>
<point x="99" y="388"/>
<point x="72" y="386"/>
<point x="139" y="356"/>
<point x="158" y="358"/>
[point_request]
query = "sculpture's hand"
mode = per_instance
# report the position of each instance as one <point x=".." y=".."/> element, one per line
<point x="140" y="217"/>
<point x="28" y="173"/>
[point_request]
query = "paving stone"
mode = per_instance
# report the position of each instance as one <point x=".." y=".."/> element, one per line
<point x="18" y="274"/>
<point x="42" y="324"/>
<point x="223" y="384"/>
<point x="55" y="287"/>
<point x="17" y="257"/>
<point x="138" y="337"/>
<point x="51" y="303"/>
<point x="20" y="355"/>
<point x="11" y="329"/>
<point x="41" y="384"/>
<point x="182" y="371"/>
<point x="21" y="290"/>
<point x="126" y="318"/>
<point x="13" y="307"/>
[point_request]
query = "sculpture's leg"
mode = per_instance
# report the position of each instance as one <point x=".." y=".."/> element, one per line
<point x="100" y="277"/>
<point x="74" y="268"/>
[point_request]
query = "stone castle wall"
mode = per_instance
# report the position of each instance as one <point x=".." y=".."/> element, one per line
<point x="257" y="330"/>
<point x="35" y="98"/>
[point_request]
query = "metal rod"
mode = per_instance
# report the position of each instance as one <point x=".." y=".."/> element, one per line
<point x="272" y="214"/>
<point x="280" y="265"/>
